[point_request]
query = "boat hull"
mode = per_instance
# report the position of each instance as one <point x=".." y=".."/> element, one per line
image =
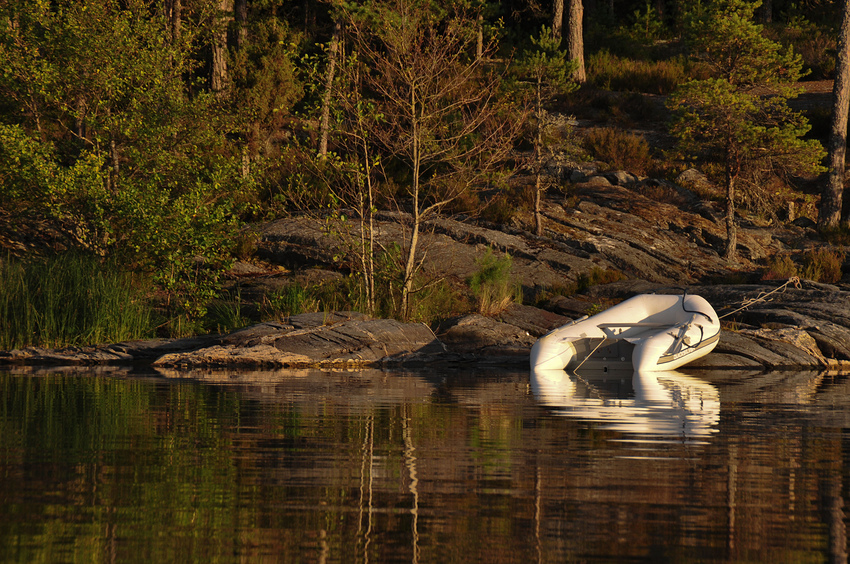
<point x="650" y="332"/>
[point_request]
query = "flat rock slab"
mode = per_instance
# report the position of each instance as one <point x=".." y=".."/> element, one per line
<point x="316" y="340"/>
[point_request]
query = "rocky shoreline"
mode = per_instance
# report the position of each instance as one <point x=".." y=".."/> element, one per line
<point x="657" y="234"/>
<point x="798" y="328"/>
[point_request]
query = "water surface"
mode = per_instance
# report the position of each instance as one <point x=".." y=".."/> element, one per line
<point x="431" y="466"/>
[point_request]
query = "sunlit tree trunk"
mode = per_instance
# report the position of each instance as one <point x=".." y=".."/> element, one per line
<point x="219" y="78"/>
<point x="731" y="227"/>
<point x="829" y="213"/>
<point x="538" y="149"/>
<point x="173" y="18"/>
<point x="575" y="45"/>
<point x="329" y="80"/>
<point x="410" y="263"/>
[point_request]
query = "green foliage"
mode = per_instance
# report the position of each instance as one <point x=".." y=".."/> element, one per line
<point x="779" y="267"/>
<point x="814" y="42"/>
<point x="619" y="149"/>
<point x="838" y="235"/>
<point x="547" y="64"/>
<point x="492" y="284"/>
<point x="71" y="299"/>
<point x="104" y="135"/>
<point x="646" y="26"/>
<point x="739" y="117"/>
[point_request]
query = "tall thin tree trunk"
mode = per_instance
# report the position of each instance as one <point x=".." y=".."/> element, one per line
<point x="479" y="41"/>
<point x="558" y="19"/>
<point x="410" y="264"/>
<point x="575" y="45"/>
<point x="538" y="149"/>
<point x="829" y="213"/>
<point x="731" y="227"/>
<point x="329" y="82"/>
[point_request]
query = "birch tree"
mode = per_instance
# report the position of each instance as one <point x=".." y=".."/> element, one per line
<point x="442" y="119"/>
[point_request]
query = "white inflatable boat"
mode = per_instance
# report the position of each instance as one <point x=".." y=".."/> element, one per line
<point x="649" y="333"/>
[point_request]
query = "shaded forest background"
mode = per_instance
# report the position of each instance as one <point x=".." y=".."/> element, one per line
<point x="146" y="134"/>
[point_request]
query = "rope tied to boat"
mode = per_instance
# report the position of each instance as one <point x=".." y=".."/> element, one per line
<point x="765" y="296"/>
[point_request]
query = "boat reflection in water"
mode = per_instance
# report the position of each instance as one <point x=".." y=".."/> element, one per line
<point x="658" y="405"/>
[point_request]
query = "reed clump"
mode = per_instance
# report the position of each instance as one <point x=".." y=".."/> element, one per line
<point x="71" y="299"/>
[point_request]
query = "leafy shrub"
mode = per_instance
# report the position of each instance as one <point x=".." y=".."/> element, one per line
<point x="438" y="302"/>
<point x="619" y="149"/>
<point x="227" y="314"/>
<point x="839" y="235"/>
<point x="585" y="280"/>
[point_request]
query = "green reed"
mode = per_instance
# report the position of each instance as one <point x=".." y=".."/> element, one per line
<point x="70" y="299"/>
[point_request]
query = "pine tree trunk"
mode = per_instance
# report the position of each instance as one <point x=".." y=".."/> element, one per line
<point x="538" y="148"/>
<point x="219" y="76"/>
<point x="174" y="12"/>
<point x="558" y="19"/>
<point x="767" y="11"/>
<point x="731" y="228"/>
<point x="241" y="13"/>
<point x="829" y="213"/>
<point x="479" y="41"/>
<point x="575" y="47"/>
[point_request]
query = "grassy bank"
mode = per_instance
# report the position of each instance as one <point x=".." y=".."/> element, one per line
<point x="70" y="300"/>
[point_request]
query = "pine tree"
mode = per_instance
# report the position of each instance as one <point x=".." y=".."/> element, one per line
<point x="739" y="118"/>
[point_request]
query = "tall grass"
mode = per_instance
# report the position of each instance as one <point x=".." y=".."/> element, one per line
<point x="608" y="71"/>
<point x="620" y="149"/>
<point x="70" y="300"/>
<point x="492" y="284"/>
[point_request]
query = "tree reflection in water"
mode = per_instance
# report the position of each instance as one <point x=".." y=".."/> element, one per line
<point x="375" y="466"/>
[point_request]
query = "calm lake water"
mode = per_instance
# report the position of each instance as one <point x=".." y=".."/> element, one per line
<point x="452" y="466"/>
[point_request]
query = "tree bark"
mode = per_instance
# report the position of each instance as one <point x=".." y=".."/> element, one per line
<point x="766" y="11"/>
<point x="558" y="19"/>
<point x="219" y="78"/>
<point x="241" y="13"/>
<point x="575" y="46"/>
<point x="174" y="9"/>
<point x="829" y="213"/>
<point x="731" y="250"/>
<point x="324" y="127"/>
<point x="538" y="148"/>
